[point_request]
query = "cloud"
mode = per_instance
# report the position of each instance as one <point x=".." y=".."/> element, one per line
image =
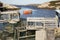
<point x="23" y="2"/>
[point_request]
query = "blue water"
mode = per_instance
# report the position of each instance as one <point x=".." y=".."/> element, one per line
<point x="35" y="13"/>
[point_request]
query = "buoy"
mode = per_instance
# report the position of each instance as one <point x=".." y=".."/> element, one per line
<point x="27" y="12"/>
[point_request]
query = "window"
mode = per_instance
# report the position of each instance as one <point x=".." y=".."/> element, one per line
<point x="4" y="17"/>
<point x="22" y="34"/>
<point x="39" y="24"/>
<point x="23" y="23"/>
<point x="35" y="24"/>
<point x="31" y="32"/>
<point x="14" y="16"/>
<point x="50" y="24"/>
<point x="31" y="23"/>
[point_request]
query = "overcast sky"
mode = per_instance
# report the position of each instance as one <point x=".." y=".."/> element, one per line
<point x="24" y="2"/>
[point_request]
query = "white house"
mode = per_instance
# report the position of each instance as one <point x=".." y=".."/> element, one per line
<point x="9" y="13"/>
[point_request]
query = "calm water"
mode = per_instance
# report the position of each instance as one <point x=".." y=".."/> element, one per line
<point x="38" y="13"/>
<point x="35" y="13"/>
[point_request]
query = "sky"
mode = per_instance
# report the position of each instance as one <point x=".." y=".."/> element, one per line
<point x="24" y="2"/>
